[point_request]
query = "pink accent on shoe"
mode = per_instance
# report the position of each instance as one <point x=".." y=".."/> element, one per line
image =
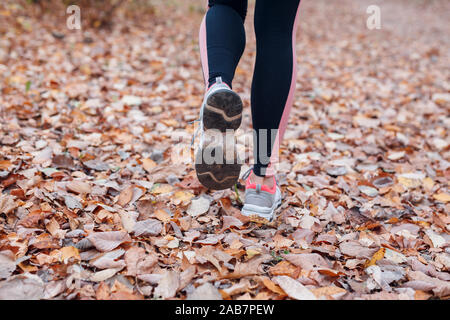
<point x="203" y="51"/>
<point x="289" y="100"/>
<point x="250" y="185"/>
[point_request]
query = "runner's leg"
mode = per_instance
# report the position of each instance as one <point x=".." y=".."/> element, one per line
<point x="222" y="42"/>
<point x="274" y="77"/>
<point x="222" y="39"/>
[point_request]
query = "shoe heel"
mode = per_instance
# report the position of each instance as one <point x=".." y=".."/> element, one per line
<point x="223" y="110"/>
<point x="216" y="173"/>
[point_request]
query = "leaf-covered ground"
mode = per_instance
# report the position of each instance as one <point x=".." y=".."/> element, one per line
<point x="94" y="204"/>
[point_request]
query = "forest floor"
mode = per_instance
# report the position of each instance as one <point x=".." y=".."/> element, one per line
<point x="96" y="204"/>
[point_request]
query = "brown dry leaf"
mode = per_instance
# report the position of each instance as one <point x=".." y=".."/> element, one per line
<point x="53" y="289"/>
<point x="182" y="197"/>
<point x="79" y="186"/>
<point x="107" y="241"/>
<point x="251" y="267"/>
<point x="22" y="287"/>
<point x="45" y="241"/>
<point x="69" y="252"/>
<point x="439" y="287"/>
<point x="442" y="197"/>
<point x="125" y="295"/>
<point x="7" y="203"/>
<point x="212" y="255"/>
<point x="190" y="182"/>
<point x="162" y="189"/>
<point x="104" y="274"/>
<point x="168" y="285"/>
<point x="282" y="242"/>
<point x="230" y="221"/>
<point x="186" y="276"/>
<point x="162" y="215"/>
<point x="108" y="260"/>
<point x="138" y="262"/>
<point x="7" y="264"/>
<point x="377" y="256"/>
<point x="330" y="272"/>
<point x="237" y="288"/>
<point x="190" y="236"/>
<point x="307" y="261"/>
<point x="150" y="227"/>
<point x="54" y="229"/>
<point x="5" y="164"/>
<point x="273" y="287"/>
<point x="293" y="288"/>
<point x="125" y="196"/>
<point x="355" y="249"/>
<point x="120" y="291"/>
<point x="205" y="291"/>
<point x="103" y="292"/>
<point x="329" y="292"/>
<point x="132" y="257"/>
<point x="249" y="252"/>
<point x="284" y="268"/>
<point x="198" y="206"/>
<point x="421" y="295"/>
<point x="148" y="164"/>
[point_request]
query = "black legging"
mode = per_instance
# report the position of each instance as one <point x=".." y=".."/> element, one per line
<point x="222" y="42"/>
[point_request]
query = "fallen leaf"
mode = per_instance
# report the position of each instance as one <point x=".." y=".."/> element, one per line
<point x="7" y="204"/>
<point x="104" y="274"/>
<point x="251" y="267"/>
<point x="330" y="291"/>
<point x="150" y="227"/>
<point x="284" y="268"/>
<point x="442" y="197"/>
<point x="230" y="221"/>
<point x="22" y="287"/>
<point x="69" y="252"/>
<point x="355" y="249"/>
<point x="182" y="197"/>
<point x="125" y="196"/>
<point x="205" y="291"/>
<point x="138" y="262"/>
<point x="7" y="264"/>
<point x="377" y="256"/>
<point x="148" y="164"/>
<point x="198" y="206"/>
<point x="307" y="261"/>
<point x="107" y="241"/>
<point x="273" y="287"/>
<point x="437" y="240"/>
<point x="168" y="285"/>
<point x="162" y="215"/>
<point x="293" y="288"/>
<point x="79" y="186"/>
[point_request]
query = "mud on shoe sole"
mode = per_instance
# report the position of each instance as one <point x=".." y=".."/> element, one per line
<point x="223" y="110"/>
<point x="216" y="174"/>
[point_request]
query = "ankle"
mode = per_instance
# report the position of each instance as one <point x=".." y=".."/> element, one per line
<point x="267" y="181"/>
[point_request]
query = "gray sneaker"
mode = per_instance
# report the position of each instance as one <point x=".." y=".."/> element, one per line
<point x="261" y="200"/>
<point x="216" y="161"/>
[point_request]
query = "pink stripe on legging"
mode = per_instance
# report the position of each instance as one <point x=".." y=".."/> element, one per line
<point x="289" y="102"/>
<point x="203" y="51"/>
